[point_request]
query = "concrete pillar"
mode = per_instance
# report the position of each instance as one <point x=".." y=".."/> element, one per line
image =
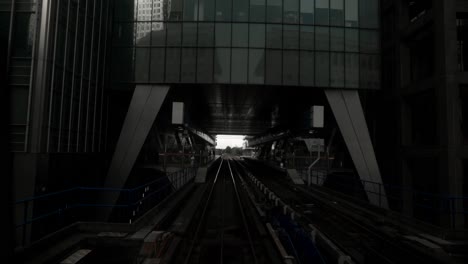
<point x="407" y="194"/>
<point x="27" y="167"/>
<point x="144" y="107"/>
<point x="346" y="107"/>
<point x="448" y="108"/>
<point x="406" y="176"/>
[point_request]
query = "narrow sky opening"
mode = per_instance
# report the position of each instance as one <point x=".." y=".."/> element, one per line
<point x="232" y="141"/>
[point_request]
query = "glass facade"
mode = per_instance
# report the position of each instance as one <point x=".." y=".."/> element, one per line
<point x="323" y="43"/>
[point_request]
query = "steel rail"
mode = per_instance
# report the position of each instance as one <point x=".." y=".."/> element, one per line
<point x="244" y="220"/>
<point x="205" y="208"/>
<point x="223" y="212"/>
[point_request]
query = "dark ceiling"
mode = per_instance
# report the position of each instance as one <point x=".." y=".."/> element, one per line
<point x="242" y="109"/>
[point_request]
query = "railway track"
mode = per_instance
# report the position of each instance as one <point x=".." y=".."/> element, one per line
<point x="363" y="241"/>
<point x="224" y="231"/>
<point x="245" y="215"/>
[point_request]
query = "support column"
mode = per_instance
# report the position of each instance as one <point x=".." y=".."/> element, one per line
<point x="6" y="197"/>
<point x="29" y="166"/>
<point x="346" y="107"/>
<point x="447" y="89"/>
<point x="144" y="107"/>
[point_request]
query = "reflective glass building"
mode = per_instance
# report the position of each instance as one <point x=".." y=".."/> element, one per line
<point x="313" y="43"/>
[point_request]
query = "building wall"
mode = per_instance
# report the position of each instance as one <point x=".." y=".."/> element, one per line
<point x="6" y="195"/>
<point x="75" y="73"/>
<point x="19" y="23"/>
<point x="424" y="80"/>
<point x="57" y="79"/>
<point x="322" y="43"/>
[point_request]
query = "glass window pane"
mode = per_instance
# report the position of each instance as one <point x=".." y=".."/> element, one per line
<point x="352" y="40"/>
<point x="352" y="70"/>
<point x="369" y="41"/>
<point x="307" y="37"/>
<point x="337" y="70"/>
<point x="274" y="65"/>
<point x="142" y="35"/>
<point x="257" y="36"/>
<point x="205" y="34"/>
<point x="223" y="10"/>
<point x="239" y="66"/>
<point x="274" y="11"/>
<point x="205" y="65"/>
<point x="257" y="10"/>
<point x="291" y="11"/>
<point x="322" y="69"/>
<point x="190" y="10"/>
<point x="290" y="67"/>
<point x="223" y="34"/>
<point x="174" y="34"/>
<point x="190" y="34"/>
<point x="240" y="10"/>
<point x="240" y="35"/>
<point x="307" y="12"/>
<point x="172" y="65"/>
<point x="222" y="65"/>
<point x="351" y="13"/>
<point x="336" y="13"/>
<point x="256" y="66"/>
<point x="337" y="39"/>
<point x="157" y="64"/>
<point x="158" y="35"/>
<point x="307" y="68"/>
<point x="274" y="36"/>
<point x="322" y="38"/>
<point x="189" y="59"/>
<point x="142" y="56"/>
<point x="369" y="71"/>
<point x="290" y="36"/>
<point x="369" y="13"/>
<point x="176" y="11"/>
<point x="321" y="12"/>
<point x="205" y="10"/>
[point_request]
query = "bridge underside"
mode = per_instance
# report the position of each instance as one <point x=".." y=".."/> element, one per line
<point x="243" y="109"/>
<point x="247" y="110"/>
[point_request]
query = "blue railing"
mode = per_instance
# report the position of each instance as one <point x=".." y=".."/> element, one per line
<point x="425" y="206"/>
<point x="41" y="215"/>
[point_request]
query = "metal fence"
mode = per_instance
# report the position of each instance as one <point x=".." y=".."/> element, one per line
<point x="185" y="159"/>
<point x="38" y="216"/>
<point x="428" y="207"/>
<point x="425" y="206"/>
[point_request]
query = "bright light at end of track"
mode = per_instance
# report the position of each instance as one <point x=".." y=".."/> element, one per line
<point x="223" y="141"/>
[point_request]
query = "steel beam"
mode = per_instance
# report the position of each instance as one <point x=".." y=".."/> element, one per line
<point x="204" y="136"/>
<point x="144" y="107"/>
<point x="346" y="107"/>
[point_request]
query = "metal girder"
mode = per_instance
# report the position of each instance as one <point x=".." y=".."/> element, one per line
<point x="202" y="135"/>
<point x="346" y="107"/>
<point x="268" y="138"/>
